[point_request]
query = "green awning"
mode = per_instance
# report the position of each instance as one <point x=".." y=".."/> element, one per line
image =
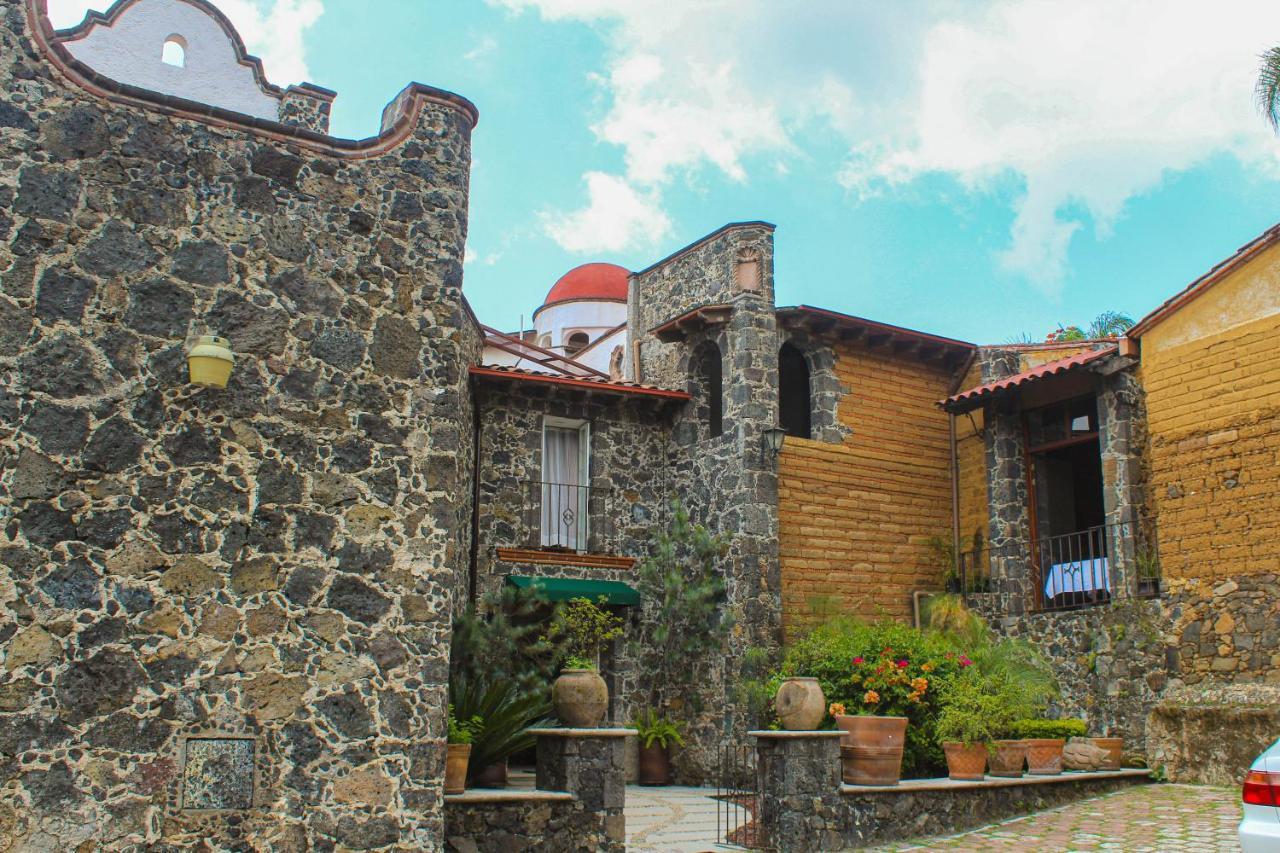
<point x="563" y="589"/>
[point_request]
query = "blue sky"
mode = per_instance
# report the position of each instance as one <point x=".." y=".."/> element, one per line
<point x="973" y="170"/>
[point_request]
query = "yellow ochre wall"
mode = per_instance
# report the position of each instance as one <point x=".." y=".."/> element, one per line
<point x="1211" y="372"/>
<point x="855" y="518"/>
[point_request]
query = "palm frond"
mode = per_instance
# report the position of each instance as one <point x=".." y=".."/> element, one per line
<point x="1267" y="91"/>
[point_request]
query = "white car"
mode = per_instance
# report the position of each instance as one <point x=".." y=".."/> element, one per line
<point x="1260" y="829"/>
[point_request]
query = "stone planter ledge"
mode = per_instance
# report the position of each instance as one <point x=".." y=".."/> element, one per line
<point x="915" y="786"/>
<point x="583" y="732"/>
<point x="481" y="796"/>
<point x="770" y="734"/>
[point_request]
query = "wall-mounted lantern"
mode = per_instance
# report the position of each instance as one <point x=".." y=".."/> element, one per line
<point x="774" y="438"/>
<point x="210" y="361"/>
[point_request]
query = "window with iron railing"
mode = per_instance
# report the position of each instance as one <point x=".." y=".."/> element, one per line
<point x="1066" y="572"/>
<point x="568" y="517"/>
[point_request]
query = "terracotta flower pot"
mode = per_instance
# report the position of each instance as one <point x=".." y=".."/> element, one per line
<point x="1044" y="756"/>
<point x="1114" y="747"/>
<point x="655" y="765"/>
<point x="800" y="704"/>
<point x="871" y="749"/>
<point x="493" y="776"/>
<point x="455" y="768"/>
<point x="965" y="763"/>
<point x="580" y="697"/>
<point x="1008" y="758"/>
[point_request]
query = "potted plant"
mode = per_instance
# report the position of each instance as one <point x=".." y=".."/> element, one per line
<point x="973" y="714"/>
<point x="656" y="733"/>
<point x="874" y="735"/>
<point x="579" y="695"/>
<point x="1114" y="747"/>
<point x="1045" y="740"/>
<point x="461" y="734"/>
<point x="508" y="712"/>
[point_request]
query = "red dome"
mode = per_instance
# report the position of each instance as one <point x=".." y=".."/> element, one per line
<point x="591" y="281"/>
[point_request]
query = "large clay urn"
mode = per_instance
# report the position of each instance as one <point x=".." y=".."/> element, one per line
<point x="966" y="762"/>
<point x="800" y="704"/>
<point x="455" y="768"/>
<point x="871" y="749"/>
<point x="580" y="697"/>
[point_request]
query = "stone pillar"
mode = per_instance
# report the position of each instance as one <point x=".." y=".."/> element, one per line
<point x="591" y="765"/>
<point x="1119" y="410"/>
<point x="1010" y="534"/>
<point x="798" y="781"/>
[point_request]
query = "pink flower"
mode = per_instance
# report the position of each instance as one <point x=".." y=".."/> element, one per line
<point x="857" y="661"/>
<point x="902" y="664"/>
<point x="965" y="662"/>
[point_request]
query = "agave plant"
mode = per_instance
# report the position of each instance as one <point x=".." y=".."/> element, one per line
<point x="506" y="712"/>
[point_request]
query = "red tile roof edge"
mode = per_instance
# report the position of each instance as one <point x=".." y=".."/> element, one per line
<point x="1051" y="368"/>
<point x="585" y="382"/>
<point x="1204" y="282"/>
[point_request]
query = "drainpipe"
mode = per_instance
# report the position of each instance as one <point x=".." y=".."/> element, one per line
<point x="474" y="566"/>
<point x="955" y="456"/>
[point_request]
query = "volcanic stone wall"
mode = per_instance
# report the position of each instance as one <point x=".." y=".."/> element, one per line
<point x="630" y="494"/>
<point x="225" y="615"/>
<point x="729" y="481"/>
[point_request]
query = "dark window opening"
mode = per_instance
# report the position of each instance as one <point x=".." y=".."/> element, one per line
<point x="1072" y="543"/>
<point x="576" y="343"/>
<point x="708" y="387"/>
<point x="795" y="400"/>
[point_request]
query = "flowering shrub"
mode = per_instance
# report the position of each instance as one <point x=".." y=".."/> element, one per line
<point x="891" y="670"/>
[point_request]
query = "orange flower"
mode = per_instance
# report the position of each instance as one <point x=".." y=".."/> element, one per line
<point x="913" y="697"/>
<point x="928" y="667"/>
<point x="871" y="697"/>
<point x="836" y="709"/>
<point x="919" y="685"/>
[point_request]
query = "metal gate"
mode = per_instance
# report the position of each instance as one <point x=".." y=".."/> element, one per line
<point x="737" y="798"/>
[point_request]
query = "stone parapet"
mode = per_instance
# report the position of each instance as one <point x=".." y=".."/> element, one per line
<point x="591" y="765"/>
<point x="1211" y="735"/>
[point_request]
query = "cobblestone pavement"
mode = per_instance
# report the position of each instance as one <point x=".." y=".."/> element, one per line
<point x="673" y="820"/>
<point x="1147" y="819"/>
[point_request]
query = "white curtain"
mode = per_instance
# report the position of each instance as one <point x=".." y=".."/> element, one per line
<point x="563" y="501"/>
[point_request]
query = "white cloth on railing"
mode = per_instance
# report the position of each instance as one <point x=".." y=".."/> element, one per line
<point x="1078" y="576"/>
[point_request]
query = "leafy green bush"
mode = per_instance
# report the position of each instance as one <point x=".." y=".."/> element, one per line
<point x="463" y="731"/>
<point x="1048" y="729"/>
<point x="504" y="713"/>
<point x="585" y="628"/>
<point x="889" y="669"/>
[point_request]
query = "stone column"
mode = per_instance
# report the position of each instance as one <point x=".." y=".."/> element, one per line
<point x="798" y="781"/>
<point x="591" y="765"/>
<point x="1010" y="534"/>
<point x="1119" y="408"/>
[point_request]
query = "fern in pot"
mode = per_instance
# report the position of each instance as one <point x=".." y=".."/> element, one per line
<point x="656" y="733"/>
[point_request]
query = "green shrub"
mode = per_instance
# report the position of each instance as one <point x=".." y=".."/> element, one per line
<point x="889" y="669"/>
<point x="1048" y="729"/>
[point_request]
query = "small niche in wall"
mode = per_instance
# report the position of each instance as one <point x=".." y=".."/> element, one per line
<point x="174" y="51"/>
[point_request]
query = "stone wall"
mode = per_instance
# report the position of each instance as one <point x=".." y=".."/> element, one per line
<point x="861" y="519"/>
<point x="728" y="481"/>
<point x="802" y="806"/>
<point x="224" y="616"/>
<point x="1211" y="735"/>
<point x="521" y="826"/>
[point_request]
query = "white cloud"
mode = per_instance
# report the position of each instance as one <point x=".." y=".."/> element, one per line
<point x="1086" y="104"/>
<point x="484" y="47"/>
<point x="617" y="216"/>
<point x="271" y="29"/>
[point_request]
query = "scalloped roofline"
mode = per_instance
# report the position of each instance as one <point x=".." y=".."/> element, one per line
<point x="408" y="104"/>
<point x="94" y="19"/>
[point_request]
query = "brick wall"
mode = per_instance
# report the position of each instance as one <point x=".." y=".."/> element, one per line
<point x="855" y="518"/>
<point x="1215" y="444"/>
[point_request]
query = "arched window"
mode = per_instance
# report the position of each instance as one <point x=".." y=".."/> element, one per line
<point x="174" y="51"/>
<point x="576" y="343"/>
<point x="795" y="403"/>
<point x="707" y="381"/>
